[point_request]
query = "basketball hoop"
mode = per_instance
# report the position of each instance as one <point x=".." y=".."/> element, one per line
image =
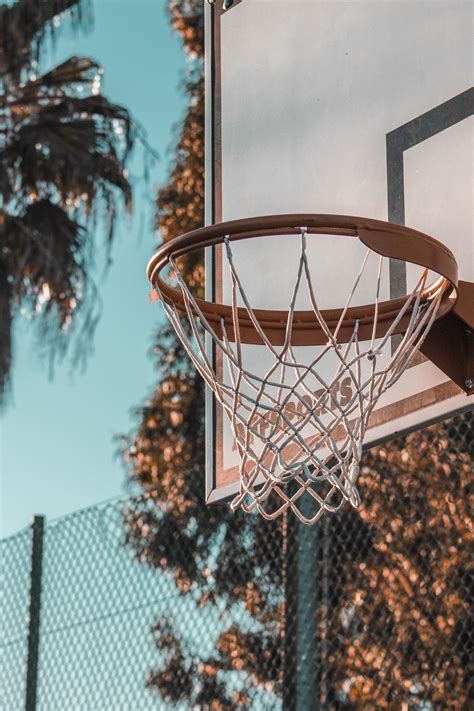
<point x="296" y="436"/>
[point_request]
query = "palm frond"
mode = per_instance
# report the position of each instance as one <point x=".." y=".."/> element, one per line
<point x="6" y="318"/>
<point x="44" y="250"/>
<point x="72" y="147"/>
<point x="23" y="25"/>
<point x="60" y="81"/>
<point x="48" y="259"/>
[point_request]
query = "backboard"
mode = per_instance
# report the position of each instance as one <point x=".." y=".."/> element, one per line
<point x="354" y="108"/>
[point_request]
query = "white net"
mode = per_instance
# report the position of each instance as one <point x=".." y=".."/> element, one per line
<point x="299" y="431"/>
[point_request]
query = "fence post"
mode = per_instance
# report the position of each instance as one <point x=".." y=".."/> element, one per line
<point x="302" y="589"/>
<point x="37" y="530"/>
<point x="308" y="689"/>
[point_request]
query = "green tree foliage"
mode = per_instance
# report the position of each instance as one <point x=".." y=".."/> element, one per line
<point x="63" y="151"/>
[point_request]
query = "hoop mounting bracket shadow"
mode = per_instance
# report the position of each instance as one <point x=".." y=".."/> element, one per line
<point x="450" y="342"/>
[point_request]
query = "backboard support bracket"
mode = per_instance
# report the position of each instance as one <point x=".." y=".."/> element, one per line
<point x="450" y="343"/>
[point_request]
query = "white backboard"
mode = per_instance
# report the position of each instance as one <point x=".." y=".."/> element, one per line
<point x="359" y="108"/>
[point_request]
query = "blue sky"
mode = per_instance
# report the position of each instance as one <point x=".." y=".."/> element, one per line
<point x="57" y="450"/>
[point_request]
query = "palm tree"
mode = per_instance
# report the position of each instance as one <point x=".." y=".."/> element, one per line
<point x="63" y="151"/>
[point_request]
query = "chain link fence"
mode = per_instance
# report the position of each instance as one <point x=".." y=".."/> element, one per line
<point x="15" y="554"/>
<point x="364" y="610"/>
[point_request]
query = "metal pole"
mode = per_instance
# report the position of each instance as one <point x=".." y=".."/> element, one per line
<point x="37" y="529"/>
<point x="308" y="601"/>
<point x="325" y="613"/>
<point x="302" y="586"/>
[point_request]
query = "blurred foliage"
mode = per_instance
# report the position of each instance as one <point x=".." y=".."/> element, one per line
<point x="180" y="203"/>
<point x="25" y="24"/>
<point x="413" y="586"/>
<point x="396" y="604"/>
<point x="168" y="525"/>
<point x="63" y="151"/>
<point x="187" y="18"/>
